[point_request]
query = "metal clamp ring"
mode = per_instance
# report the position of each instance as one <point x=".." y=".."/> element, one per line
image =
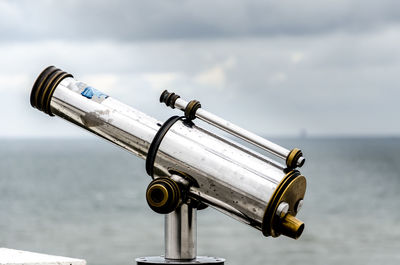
<point x="293" y="157"/>
<point x="191" y="108"/>
<point x="155" y="144"/>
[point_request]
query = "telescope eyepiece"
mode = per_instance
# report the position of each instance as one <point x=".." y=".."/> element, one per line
<point x="279" y="218"/>
<point x="44" y="87"/>
<point x="291" y="226"/>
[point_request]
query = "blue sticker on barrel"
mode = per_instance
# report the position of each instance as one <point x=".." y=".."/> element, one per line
<point x="90" y="92"/>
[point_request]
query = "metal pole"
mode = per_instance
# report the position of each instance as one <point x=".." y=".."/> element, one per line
<point x="181" y="241"/>
<point x="181" y="233"/>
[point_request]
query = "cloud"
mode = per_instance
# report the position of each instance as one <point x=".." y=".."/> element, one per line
<point x="216" y="75"/>
<point x="212" y="77"/>
<point x="125" y="20"/>
<point x="13" y="81"/>
<point x="297" y="57"/>
<point x="340" y="79"/>
<point x="105" y="81"/>
<point x="277" y="78"/>
<point x="159" y="81"/>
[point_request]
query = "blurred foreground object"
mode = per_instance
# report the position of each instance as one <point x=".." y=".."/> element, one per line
<point x="19" y="257"/>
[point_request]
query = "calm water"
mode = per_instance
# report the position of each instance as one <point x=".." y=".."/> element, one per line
<point x="86" y="199"/>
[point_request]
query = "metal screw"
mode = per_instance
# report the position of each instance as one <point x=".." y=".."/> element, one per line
<point x="301" y="161"/>
<point x="282" y="209"/>
<point x="299" y="205"/>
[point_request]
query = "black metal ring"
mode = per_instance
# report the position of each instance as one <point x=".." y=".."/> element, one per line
<point x="44" y="86"/>
<point x="191" y="108"/>
<point x="169" y="98"/>
<point x="293" y="157"/>
<point x="155" y="144"/>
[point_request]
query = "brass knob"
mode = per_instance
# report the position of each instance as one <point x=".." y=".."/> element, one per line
<point x="163" y="195"/>
<point x="295" y="159"/>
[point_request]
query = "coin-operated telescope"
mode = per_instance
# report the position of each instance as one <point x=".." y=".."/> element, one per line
<point x="191" y="168"/>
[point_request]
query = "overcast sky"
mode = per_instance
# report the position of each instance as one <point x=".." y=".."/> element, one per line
<point x="274" y="67"/>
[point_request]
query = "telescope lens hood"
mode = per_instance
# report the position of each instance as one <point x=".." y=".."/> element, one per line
<point x="44" y="87"/>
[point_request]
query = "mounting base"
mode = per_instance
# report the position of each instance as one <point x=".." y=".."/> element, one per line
<point x="181" y="240"/>
<point x="198" y="260"/>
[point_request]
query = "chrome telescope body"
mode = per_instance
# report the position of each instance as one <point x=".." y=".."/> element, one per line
<point x="187" y="163"/>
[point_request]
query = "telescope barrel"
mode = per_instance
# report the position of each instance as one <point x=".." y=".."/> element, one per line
<point x="235" y="130"/>
<point x="57" y="93"/>
<point x="237" y="181"/>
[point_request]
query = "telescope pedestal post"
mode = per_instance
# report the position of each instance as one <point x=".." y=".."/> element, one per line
<point x="181" y="233"/>
<point x="181" y="240"/>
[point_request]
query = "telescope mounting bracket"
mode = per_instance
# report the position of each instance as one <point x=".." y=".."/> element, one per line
<point x="180" y="240"/>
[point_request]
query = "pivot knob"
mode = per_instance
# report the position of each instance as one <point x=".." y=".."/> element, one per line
<point x="163" y="195"/>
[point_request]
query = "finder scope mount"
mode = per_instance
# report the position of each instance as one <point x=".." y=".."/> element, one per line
<point x="191" y="168"/>
<point x="192" y="110"/>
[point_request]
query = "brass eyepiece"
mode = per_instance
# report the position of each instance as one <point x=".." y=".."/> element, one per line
<point x="280" y="214"/>
<point x="291" y="226"/>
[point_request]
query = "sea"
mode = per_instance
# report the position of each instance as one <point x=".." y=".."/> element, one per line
<point x="85" y="198"/>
